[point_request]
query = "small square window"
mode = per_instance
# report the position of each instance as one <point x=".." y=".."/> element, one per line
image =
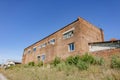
<point x="71" y="47"/>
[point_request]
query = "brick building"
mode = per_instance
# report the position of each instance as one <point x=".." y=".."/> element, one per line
<point x="70" y="40"/>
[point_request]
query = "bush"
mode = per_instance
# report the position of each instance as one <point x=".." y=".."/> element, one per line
<point x="40" y="64"/>
<point x="88" y="58"/>
<point x="82" y="65"/>
<point x="76" y="59"/>
<point x="69" y="60"/>
<point x="31" y="64"/>
<point x="115" y="62"/>
<point x="56" y="61"/>
<point x="73" y="60"/>
<point x="80" y="62"/>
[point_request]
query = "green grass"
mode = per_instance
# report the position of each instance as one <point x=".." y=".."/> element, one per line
<point x="63" y="71"/>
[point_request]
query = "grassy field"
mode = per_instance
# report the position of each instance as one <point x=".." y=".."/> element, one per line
<point x="63" y="72"/>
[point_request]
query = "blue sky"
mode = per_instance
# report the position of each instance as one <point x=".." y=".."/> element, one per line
<point x="23" y="22"/>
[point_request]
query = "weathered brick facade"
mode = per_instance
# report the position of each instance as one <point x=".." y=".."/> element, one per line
<point x="70" y="40"/>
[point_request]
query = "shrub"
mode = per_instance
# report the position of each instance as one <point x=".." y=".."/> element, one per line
<point x="40" y="64"/>
<point x="82" y="65"/>
<point x="69" y="60"/>
<point x="56" y="61"/>
<point x="88" y="58"/>
<point x="31" y="64"/>
<point x="76" y="59"/>
<point x="73" y="60"/>
<point x="80" y="62"/>
<point x="115" y="62"/>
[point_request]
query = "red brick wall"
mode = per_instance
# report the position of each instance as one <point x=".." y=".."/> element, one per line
<point x="87" y="34"/>
<point x="106" y="53"/>
<point x="84" y="33"/>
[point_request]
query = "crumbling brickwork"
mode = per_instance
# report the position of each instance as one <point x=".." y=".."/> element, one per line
<point x="70" y="40"/>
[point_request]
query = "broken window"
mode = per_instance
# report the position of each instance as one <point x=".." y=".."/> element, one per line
<point x="68" y="34"/>
<point x="43" y="45"/>
<point x="52" y="41"/>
